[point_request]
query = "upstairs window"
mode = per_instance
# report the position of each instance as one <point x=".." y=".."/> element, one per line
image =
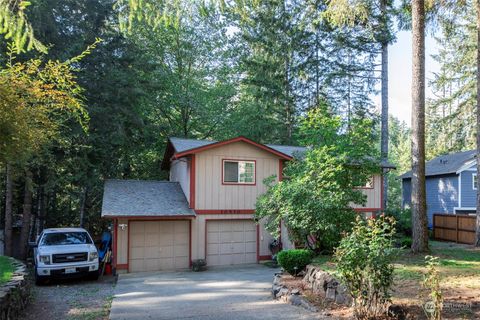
<point x="238" y="172"/>
<point x="369" y="184"/>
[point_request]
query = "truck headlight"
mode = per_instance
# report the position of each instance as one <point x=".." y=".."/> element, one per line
<point x="93" y="256"/>
<point x="44" y="259"/>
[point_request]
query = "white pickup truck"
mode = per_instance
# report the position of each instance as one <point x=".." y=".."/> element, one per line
<point x="65" y="252"/>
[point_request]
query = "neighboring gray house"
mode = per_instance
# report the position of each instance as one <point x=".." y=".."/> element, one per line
<point x="450" y="183"/>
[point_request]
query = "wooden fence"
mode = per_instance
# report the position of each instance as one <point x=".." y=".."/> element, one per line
<point x="454" y="227"/>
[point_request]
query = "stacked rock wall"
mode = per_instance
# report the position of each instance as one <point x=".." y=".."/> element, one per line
<point x="325" y="285"/>
<point x="15" y="294"/>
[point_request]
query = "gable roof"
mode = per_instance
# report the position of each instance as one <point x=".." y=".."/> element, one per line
<point x="180" y="147"/>
<point x="445" y="164"/>
<point x="123" y="198"/>
<point x="182" y="144"/>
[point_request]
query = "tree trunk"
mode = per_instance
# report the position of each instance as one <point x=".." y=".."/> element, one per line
<point x="27" y="213"/>
<point x="384" y="134"/>
<point x="38" y="226"/>
<point x="82" y="207"/>
<point x="478" y="121"/>
<point x="8" y="211"/>
<point x="419" y="212"/>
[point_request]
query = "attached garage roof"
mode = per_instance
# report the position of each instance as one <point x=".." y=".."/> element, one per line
<point x="124" y="198"/>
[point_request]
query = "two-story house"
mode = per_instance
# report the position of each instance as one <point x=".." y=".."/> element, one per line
<point x="450" y="184"/>
<point x="205" y="210"/>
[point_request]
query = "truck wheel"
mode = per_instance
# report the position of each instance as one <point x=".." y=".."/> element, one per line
<point x="40" y="280"/>
<point x="93" y="275"/>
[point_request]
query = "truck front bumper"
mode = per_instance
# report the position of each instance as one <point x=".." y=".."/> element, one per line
<point x="67" y="270"/>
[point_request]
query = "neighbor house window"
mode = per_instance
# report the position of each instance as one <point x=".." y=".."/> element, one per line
<point x="241" y="172"/>
<point x="368" y="184"/>
<point x="474" y="180"/>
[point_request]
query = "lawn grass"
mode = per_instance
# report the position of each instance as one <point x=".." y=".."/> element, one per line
<point x="454" y="260"/>
<point x="6" y="269"/>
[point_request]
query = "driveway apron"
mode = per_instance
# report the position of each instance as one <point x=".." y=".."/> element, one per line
<point x="229" y="293"/>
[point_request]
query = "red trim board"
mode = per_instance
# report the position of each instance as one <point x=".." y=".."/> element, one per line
<point x="237" y="139"/>
<point x="183" y="217"/>
<point x="224" y="211"/>
<point x="367" y="209"/>
<point x="115" y="240"/>
<point x="280" y="169"/>
<point x="192" y="181"/>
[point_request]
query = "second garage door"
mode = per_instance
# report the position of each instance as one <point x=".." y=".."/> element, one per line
<point x="159" y="245"/>
<point x="231" y="242"/>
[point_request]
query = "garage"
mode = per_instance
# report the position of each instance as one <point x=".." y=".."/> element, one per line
<point x="231" y="242"/>
<point x="159" y="245"/>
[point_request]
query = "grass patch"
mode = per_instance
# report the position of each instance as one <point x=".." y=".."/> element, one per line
<point x="453" y="259"/>
<point x="6" y="269"/>
<point x="95" y="313"/>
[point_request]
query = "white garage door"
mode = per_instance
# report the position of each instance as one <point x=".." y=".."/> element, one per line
<point x="158" y="245"/>
<point x="231" y="242"/>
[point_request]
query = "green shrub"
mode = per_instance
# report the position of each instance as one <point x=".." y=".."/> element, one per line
<point x="295" y="260"/>
<point x="431" y="282"/>
<point x="404" y="220"/>
<point x="365" y="265"/>
<point x="406" y="242"/>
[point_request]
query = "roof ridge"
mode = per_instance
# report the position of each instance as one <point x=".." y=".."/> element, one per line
<point x="284" y="145"/>
<point x="141" y="180"/>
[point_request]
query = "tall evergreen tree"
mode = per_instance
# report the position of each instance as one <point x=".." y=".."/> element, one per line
<point x="419" y="207"/>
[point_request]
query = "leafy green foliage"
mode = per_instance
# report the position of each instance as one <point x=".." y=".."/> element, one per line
<point x="450" y="114"/>
<point x="36" y="100"/>
<point x="6" y="269"/>
<point x="365" y="265"/>
<point x="294" y="260"/>
<point x="16" y="28"/>
<point x="314" y="200"/>
<point x="431" y="282"/>
<point x="403" y="217"/>
<point x="399" y="155"/>
<point x="406" y="242"/>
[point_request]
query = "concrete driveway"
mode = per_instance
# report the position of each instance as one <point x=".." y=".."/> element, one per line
<point x="233" y="293"/>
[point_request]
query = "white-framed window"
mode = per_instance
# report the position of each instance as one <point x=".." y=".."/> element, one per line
<point x="474" y="181"/>
<point x="369" y="184"/>
<point x="238" y="172"/>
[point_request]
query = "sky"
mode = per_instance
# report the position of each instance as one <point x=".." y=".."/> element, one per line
<point x="400" y="74"/>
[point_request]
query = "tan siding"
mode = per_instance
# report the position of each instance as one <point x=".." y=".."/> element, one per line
<point x="265" y="238"/>
<point x="374" y="195"/>
<point x="180" y="172"/>
<point x="210" y="193"/>
<point x="287" y="244"/>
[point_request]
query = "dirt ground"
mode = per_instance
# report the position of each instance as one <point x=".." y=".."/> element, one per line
<point x="71" y="299"/>
<point x="459" y="303"/>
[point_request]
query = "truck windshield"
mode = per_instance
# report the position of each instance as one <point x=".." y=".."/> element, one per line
<point x="65" y="238"/>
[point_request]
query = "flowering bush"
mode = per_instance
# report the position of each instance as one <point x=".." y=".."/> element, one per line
<point x="365" y="265"/>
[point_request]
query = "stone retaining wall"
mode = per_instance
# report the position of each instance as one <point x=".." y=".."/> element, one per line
<point x="15" y="294"/>
<point x="325" y="285"/>
<point x="281" y="292"/>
